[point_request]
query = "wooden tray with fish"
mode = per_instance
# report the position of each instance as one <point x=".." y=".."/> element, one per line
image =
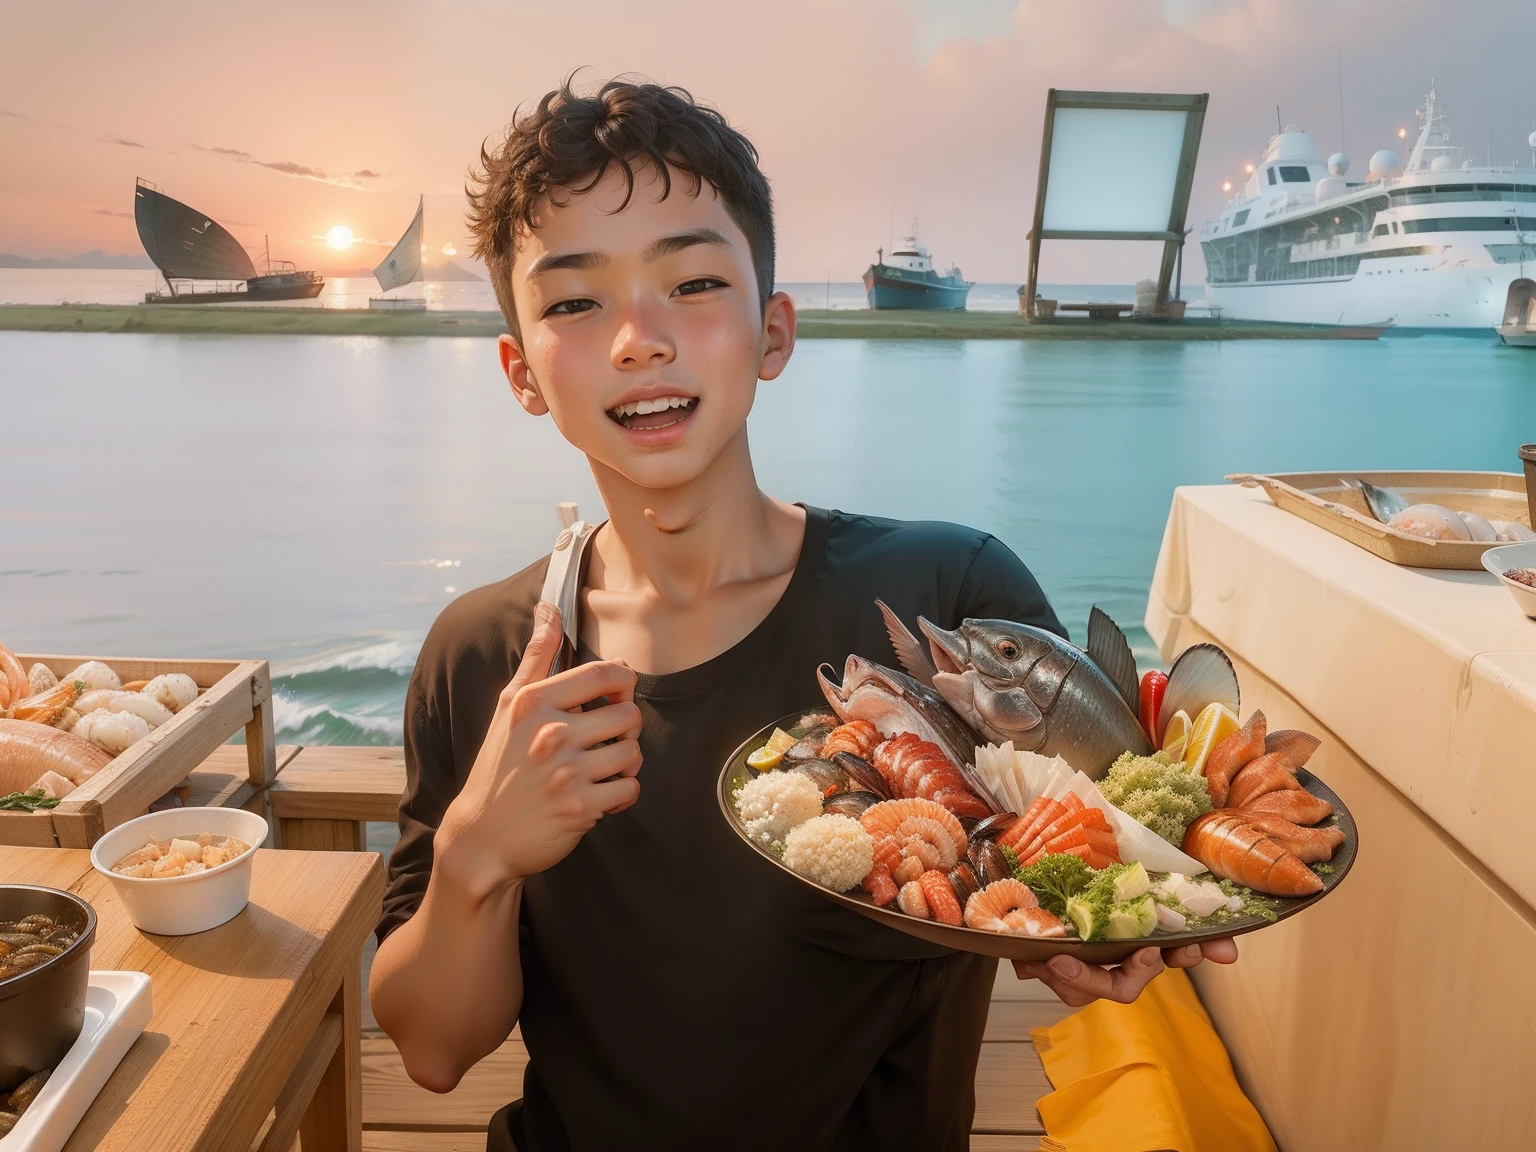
<point x="836" y="792"/>
<point x="1379" y="511"/>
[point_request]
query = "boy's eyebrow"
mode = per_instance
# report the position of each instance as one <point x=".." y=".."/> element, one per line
<point x="668" y="245"/>
<point x="578" y="261"/>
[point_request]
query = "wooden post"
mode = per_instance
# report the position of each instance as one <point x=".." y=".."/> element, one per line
<point x="334" y="1119"/>
<point x="261" y="750"/>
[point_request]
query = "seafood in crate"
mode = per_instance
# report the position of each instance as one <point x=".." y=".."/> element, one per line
<point x="56" y="732"/>
<point x="903" y="810"/>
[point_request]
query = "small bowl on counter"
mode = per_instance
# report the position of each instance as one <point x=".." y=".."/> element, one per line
<point x="1514" y="557"/>
<point x="42" y="1008"/>
<point x="185" y="904"/>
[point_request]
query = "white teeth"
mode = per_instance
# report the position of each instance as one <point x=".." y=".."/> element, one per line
<point x="646" y="407"/>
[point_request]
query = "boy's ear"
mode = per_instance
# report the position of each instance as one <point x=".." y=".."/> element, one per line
<point x="778" y="335"/>
<point x="524" y="387"/>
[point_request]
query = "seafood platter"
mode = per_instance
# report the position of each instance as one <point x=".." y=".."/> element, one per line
<point x="1014" y="795"/>
<point x="87" y="743"/>
<point x="1419" y="519"/>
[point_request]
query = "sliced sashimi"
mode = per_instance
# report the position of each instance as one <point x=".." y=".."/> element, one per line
<point x="1309" y="845"/>
<point x="1271" y="772"/>
<point x="1297" y="746"/>
<point x="1228" y="757"/>
<point x="1295" y="806"/>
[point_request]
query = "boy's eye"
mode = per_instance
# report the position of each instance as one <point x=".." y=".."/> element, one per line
<point x="570" y="307"/>
<point x="701" y="284"/>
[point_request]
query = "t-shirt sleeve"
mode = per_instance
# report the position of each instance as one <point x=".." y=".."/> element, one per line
<point x="430" y="786"/>
<point x="999" y="587"/>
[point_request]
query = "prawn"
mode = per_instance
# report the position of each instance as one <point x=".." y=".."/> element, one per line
<point x="915" y="827"/>
<point x="1009" y="906"/>
<point x="857" y="736"/>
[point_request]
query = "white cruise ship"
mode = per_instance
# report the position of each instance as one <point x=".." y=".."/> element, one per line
<point x="1433" y="243"/>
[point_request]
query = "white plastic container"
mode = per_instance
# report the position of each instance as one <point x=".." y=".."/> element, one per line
<point x="1506" y="556"/>
<point x="118" y="1006"/>
<point x="182" y="905"/>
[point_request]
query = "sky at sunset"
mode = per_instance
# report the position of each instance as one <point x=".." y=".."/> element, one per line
<point x="288" y="119"/>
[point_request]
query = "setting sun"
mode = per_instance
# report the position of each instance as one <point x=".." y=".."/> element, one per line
<point x="450" y="250"/>
<point x="339" y="238"/>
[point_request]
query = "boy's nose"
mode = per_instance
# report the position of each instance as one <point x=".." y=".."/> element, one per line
<point x="639" y="344"/>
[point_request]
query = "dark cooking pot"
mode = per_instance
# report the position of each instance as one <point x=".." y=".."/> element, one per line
<point x="43" y="1008"/>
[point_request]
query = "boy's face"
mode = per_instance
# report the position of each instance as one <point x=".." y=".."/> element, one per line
<point x="651" y="308"/>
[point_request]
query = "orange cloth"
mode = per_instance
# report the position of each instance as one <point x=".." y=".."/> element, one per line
<point x="1144" y="1077"/>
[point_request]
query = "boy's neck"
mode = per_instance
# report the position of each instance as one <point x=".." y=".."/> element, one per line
<point x="681" y="545"/>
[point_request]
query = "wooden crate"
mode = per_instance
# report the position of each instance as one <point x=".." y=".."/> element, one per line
<point x="232" y="694"/>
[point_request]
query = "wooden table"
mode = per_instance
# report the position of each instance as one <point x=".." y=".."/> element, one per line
<point x="1098" y="311"/>
<point x="256" y="1026"/>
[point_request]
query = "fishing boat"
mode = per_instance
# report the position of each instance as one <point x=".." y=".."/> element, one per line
<point x="187" y="246"/>
<point x="909" y="280"/>
<point x="1519" y="327"/>
<point x="401" y="267"/>
<point x="1433" y="243"/>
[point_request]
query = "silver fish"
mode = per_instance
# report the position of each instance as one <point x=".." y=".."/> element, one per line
<point x="1382" y="502"/>
<point x="894" y="702"/>
<point x="1024" y="684"/>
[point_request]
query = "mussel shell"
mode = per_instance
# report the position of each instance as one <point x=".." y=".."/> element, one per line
<point x="865" y="774"/>
<point x="853" y="804"/>
<point x="827" y="776"/>
<point x="809" y="746"/>
<point x="988" y="862"/>
<point x="27" y="1091"/>
<point x="993" y="826"/>
<point x="7" y="1121"/>
<point x="963" y="880"/>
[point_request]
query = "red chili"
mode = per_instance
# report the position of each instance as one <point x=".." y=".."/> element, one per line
<point x="1153" y="685"/>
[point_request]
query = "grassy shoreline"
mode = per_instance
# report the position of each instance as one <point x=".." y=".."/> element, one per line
<point x="813" y="324"/>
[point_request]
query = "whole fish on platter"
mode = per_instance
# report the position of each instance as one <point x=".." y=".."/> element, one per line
<point x="1020" y="683"/>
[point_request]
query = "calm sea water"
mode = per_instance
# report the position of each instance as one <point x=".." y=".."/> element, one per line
<point x="316" y="501"/>
<point x="128" y="286"/>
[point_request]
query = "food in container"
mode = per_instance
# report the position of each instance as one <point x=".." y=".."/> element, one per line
<point x="46" y="937"/>
<point x="201" y="896"/>
<point x="1514" y="565"/>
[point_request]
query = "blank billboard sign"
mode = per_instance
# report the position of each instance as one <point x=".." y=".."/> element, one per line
<point x="1113" y="169"/>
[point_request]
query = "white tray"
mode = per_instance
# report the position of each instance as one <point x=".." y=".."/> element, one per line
<point x="117" y="1007"/>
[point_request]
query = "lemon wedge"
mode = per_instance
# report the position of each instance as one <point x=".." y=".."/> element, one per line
<point x="1176" y="735"/>
<point x="765" y="759"/>
<point x="781" y="741"/>
<point x="1214" y="724"/>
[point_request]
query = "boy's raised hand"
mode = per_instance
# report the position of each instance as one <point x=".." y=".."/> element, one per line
<point x="546" y="772"/>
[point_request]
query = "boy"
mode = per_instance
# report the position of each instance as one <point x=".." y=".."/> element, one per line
<point x="672" y="991"/>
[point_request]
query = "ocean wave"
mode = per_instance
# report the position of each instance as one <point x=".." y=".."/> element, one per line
<point x="299" y="722"/>
<point x="387" y="655"/>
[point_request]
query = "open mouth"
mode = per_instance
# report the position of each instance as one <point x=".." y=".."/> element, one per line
<point x="662" y="412"/>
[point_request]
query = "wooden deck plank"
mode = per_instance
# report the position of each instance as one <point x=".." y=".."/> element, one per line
<point x="380" y="1141"/>
<point x="1013" y="1019"/>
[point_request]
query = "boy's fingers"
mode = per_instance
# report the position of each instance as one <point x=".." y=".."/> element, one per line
<point x="1078" y="983"/>
<point x="608" y="722"/>
<point x="574" y="687"/>
<point x="618" y="759"/>
<point x="1223" y="951"/>
<point x="542" y="646"/>
<point x="615" y="795"/>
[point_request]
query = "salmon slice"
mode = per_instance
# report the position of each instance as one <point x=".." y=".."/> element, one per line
<point x="1271" y="772"/>
<point x="1235" y="850"/>
<point x="1246" y="744"/>
<point x="1309" y="845"/>
<point x="1040" y="811"/>
<point x="1295" y="806"/>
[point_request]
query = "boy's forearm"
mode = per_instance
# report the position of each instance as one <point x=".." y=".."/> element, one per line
<point x="447" y="985"/>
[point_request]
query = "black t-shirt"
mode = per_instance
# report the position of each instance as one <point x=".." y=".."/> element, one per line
<point x="679" y="992"/>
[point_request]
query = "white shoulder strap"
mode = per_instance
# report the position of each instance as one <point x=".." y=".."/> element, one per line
<point x="562" y="582"/>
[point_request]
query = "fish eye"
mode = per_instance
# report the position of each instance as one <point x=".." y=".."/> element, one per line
<point x="1007" y="649"/>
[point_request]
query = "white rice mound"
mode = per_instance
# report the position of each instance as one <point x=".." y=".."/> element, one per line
<point x="775" y="802"/>
<point x="834" y="851"/>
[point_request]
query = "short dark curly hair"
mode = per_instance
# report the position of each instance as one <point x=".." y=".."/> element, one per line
<point x="567" y="144"/>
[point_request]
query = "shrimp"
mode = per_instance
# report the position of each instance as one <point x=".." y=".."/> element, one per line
<point x="912" y="901"/>
<point x="916" y="767"/>
<point x="917" y="827"/>
<point x="13" y="679"/>
<point x="1009" y="906"/>
<point x="856" y="736"/>
<point x="880" y="886"/>
<point x="940" y="897"/>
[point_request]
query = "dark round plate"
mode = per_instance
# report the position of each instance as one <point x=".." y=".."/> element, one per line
<point x="1008" y="947"/>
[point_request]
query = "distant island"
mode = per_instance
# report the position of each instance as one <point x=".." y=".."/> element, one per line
<point x="95" y="258"/>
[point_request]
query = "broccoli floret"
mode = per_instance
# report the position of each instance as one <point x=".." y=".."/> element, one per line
<point x="1055" y="879"/>
<point x="1156" y="793"/>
